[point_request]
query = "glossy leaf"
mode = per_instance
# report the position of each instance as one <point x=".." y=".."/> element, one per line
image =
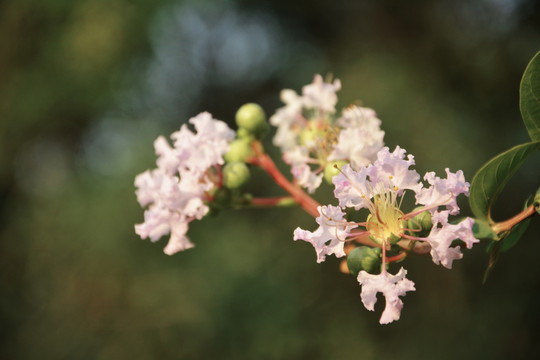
<point x="491" y="179"/>
<point x="529" y="98"/>
<point x="514" y="236"/>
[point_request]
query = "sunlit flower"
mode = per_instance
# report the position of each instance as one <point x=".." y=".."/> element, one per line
<point x="330" y="236"/>
<point x="380" y="187"/>
<point x="311" y="136"/>
<point x="176" y="191"/>
<point x="391" y="286"/>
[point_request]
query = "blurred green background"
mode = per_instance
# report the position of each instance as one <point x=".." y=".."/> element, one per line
<point x="87" y="85"/>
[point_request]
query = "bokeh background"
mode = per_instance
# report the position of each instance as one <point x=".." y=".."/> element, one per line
<point x="87" y="85"/>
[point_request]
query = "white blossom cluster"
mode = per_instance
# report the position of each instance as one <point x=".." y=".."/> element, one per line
<point x="175" y="192"/>
<point x="379" y="187"/>
<point x="310" y="136"/>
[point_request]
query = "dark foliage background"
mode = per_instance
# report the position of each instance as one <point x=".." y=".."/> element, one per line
<point x="87" y="85"/>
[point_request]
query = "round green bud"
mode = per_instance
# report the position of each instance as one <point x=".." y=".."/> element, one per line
<point x="242" y="133"/>
<point x="252" y="118"/>
<point x="235" y="175"/>
<point x="364" y="258"/>
<point x="421" y="222"/>
<point x="332" y="169"/>
<point x="239" y="150"/>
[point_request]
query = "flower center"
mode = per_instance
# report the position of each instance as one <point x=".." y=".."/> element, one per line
<point x="384" y="223"/>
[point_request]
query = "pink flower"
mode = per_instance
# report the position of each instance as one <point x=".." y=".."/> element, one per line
<point x="177" y="190"/>
<point x="391" y="286"/>
<point x="329" y="238"/>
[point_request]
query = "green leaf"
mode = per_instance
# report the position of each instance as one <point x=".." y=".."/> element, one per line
<point x="515" y="234"/>
<point x="491" y="179"/>
<point x="529" y="98"/>
<point x="482" y="230"/>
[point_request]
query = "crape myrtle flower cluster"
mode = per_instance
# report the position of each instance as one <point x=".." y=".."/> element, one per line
<point x="185" y="178"/>
<point x="207" y="169"/>
<point x="379" y="187"/>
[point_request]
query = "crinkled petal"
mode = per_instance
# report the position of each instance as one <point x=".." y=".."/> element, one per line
<point x="321" y="95"/>
<point x="329" y="237"/>
<point x="392" y="170"/>
<point x="391" y="286"/>
<point x="443" y="191"/>
<point x="178" y="240"/>
<point x="352" y="188"/>
<point x="306" y="178"/>
<point x="441" y="238"/>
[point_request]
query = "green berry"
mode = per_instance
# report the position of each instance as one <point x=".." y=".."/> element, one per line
<point x="421" y="222"/>
<point x="364" y="258"/>
<point x="332" y="169"/>
<point x="251" y="118"/>
<point x="235" y="175"/>
<point x="239" y="150"/>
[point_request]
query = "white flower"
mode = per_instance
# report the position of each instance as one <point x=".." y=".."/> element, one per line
<point x="358" y="123"/>
<point x="321" y="95"/>
<point x="441" y="238"/>
<point x="379" y="188"/>
<point x="352" y="188"/>
<point x="329" y="238"/>
<point x="309" y="135"/>
<point x="306" y="178"/>
<point x="443" y="191"/>
<point x="177" y="190"/>
<point x="391" y="286"/>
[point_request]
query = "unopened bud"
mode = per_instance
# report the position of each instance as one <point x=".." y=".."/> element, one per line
<point x="252" y="118"/>
<point x="420" y="224"/>
<point x="235" y="174"/>
<point x="332" y="169"/>
<point x="364" y="258"/>
<point x="239" y="150"/>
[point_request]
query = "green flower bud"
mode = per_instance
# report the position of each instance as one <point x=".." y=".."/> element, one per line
<point x="252" y="118"/>
<point x="243" y="133"/>
<point x="421" y="222"/>
<point x="239" y="150"/>
<point x="332" y="169"/>
<point x="393" y="239"/>
<point x="235" y="175"/>
<point x="364" y="258"/>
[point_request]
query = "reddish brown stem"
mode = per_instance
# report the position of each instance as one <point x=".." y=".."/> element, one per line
<point x="270" y="201"/>
<point x="398" y="257"/>
<point x="304" y="200"/>
<point x="510" y="223"/>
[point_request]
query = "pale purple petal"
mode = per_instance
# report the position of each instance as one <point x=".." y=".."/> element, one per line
<point x="443" y="192"/>
<point x="391" y="286"/>
<point x="178" y="240"/>
<point x="306" y="178"/>
<point x="321" y="95"/>
<point x="352" y="188"/>
<point x="329" y="237"/>
<point x="392" y="170"/>
<point x="442" y="236"/>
